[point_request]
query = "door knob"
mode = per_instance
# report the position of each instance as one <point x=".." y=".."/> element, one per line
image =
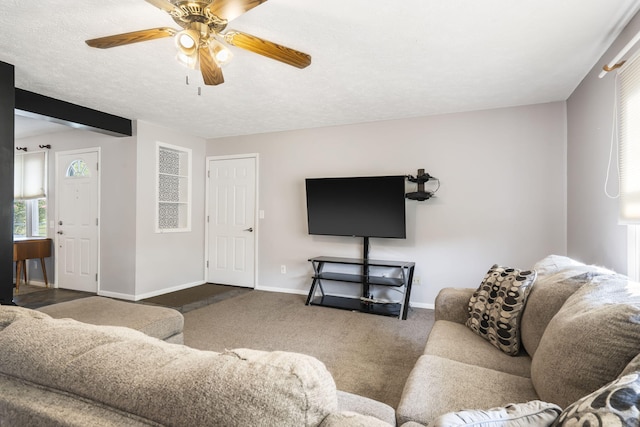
<point x="250" y="229"/>
<point x="60" y="232"/>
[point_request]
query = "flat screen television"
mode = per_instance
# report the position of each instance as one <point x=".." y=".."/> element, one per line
<point x="371" y="206"/>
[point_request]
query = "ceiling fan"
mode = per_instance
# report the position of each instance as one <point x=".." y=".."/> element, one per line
<point x="200" y="41"/>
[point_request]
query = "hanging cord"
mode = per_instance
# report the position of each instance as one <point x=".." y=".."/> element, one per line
<point x="614" y="143"/>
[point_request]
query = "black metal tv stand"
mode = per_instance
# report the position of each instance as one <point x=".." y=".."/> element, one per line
<point x="365" y="303"/>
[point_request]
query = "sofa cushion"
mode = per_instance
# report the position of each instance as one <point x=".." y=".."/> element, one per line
<point x="437" y="386"/>
<point x="454" y="341"/>
<point x="158" y="322"/>
<point x="558" y="278"/>
<point x="615" y="404"/>
<point x="552" y="264"/>
<point x="633" y="366"/>
<point x="534" y="413"/>
<point x="494" y="309"/>
<point x="349" y="402"/>
<point x="352" y="419"/>
<point x="26" y="404"/>
<point x="589" y="341"/>
<point x="11" y="313"/>
<point x="167" y="383"/>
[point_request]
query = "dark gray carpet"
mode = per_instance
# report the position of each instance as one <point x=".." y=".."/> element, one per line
<point x="367" y="354"/>
<point x="196" y="297"/>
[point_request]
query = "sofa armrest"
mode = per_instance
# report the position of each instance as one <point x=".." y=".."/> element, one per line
<point x="451" y="304"/>
<point x="349" y="402"/>
<point x="352" y="419"/>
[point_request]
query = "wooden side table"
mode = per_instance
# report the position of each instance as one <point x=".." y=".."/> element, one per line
<point x="24" y="249"/>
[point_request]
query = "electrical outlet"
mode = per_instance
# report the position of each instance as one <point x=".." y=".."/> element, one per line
<point x="416" y="281"/>
<point x="283" y="269"/>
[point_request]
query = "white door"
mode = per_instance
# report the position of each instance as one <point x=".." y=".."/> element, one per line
<point x="231" y="207"/>
<point x="77" y="220"/>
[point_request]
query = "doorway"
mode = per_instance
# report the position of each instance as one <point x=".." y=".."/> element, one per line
<point x="231" y="241"/>
<point x="77" y="219"/>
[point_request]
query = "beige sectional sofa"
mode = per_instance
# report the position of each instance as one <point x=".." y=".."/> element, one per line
<point x="566" y="351"/>
<point x="579" y="330"/>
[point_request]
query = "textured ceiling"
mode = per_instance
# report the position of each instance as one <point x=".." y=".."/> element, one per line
<point x="372" y="60"/>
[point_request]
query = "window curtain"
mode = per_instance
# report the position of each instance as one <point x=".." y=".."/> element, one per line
<point x="628" y="83"/>
<point x="29" y="181"/>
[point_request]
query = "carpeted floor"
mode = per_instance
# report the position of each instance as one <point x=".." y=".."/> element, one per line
<point x="367" y="354"/>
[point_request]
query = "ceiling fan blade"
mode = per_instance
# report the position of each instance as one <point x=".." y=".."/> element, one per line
<point x="268" y="49"/>
<point x="132" y="37"/>
<point x="231" y="9"/>
<point x="211" y="72"/>
<point x="164" y="5"/>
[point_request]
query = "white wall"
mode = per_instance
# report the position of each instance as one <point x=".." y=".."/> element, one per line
<point x="502" y="200"/>
<point x="167" y="261"/>
<point x="593" y="232"/>
<point x="117" y="208"/>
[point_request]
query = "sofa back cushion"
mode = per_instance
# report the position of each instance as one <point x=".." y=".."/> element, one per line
<point x="589" y="342"/>
<point x="11" y="313"/>
<point x="558" y="278"/>
<point x="167" y="383"/>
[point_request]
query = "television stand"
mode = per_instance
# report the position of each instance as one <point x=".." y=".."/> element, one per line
<point x="365" y="303"/>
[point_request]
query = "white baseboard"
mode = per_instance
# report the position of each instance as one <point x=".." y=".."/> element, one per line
<point x="36" y="283"/>
<point x="169" y="290"/>
<point x="130" y="297"/>
<point x="422" y="305"/>
<point x="281" y="290"/>
<point x="117" y="295"/>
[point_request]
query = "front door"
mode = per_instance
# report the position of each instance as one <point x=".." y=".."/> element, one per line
<point x="77" y="220"/>
<point x="231" y="207"/>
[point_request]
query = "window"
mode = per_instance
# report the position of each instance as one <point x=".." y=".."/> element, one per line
<point x="628" y="85"/>
<point x="30" y="202"/>
<point x="78" y="169"/>
<point x="629" y="140"/>
<point x="30" y="218"/>
<point x="173" y="210"/>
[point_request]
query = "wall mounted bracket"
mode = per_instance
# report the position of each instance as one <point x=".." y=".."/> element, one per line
<point x="422" y="177"/>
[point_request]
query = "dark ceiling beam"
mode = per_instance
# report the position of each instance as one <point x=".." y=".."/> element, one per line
<point x="7" y="76"/>
<point x="42" y="107"/>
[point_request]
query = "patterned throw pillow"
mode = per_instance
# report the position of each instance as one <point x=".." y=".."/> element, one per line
<point x="615" y="405"/>
<point x="534" y="413"/>
<point x="495" y="308"/>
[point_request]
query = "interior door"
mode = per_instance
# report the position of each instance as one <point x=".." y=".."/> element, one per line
<point x="231" y="213"/>
<point x="77" y="222"/>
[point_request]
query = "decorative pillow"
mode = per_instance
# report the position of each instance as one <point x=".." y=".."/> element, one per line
<point x="616" y="404"/>
<point x="535" y="413"/>
<point x="495" y="308"/>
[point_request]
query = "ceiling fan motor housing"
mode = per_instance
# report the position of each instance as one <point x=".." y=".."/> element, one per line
<point x="194" y="14"/>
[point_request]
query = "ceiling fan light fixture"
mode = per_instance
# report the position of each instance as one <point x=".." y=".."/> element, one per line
<point x="187" y="41"/>
<point x="189" y="61"/>
<point x="221" y="54"/>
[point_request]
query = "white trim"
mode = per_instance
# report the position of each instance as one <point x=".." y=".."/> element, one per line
<point x="256" y="209"/>
<point x="169" y="290"/>
<point x="188" y="176"/>
<point x="117" y="295"/>
<point x="98" y="152"/>
<point x="282" y="290"/>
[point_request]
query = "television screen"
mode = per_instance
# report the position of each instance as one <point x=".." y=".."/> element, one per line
<point x="359" y="206"/>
